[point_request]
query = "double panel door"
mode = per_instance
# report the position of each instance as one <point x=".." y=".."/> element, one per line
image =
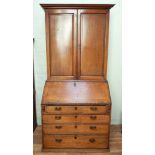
<point x="77" y="44"/>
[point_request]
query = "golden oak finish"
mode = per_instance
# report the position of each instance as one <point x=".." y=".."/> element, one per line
<point x="49" y="109"/>
<point x="77" y="42"/>
<point x="77" y="6"/>
<point x="75" y="119"/>
<point x="61" y="54"/>
<point x="75" y="128"/>
<point x="80" y="92"/>
<point x="61" y="43"/>
<point x="76" y="102"/>
<point x="75" y="141"/>
<point x="115" y="145"/>
<point x="92" y="24"/>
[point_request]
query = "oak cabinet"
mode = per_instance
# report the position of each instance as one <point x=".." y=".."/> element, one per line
<point x="76" y="103"/>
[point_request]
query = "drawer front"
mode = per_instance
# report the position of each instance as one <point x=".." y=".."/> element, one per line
<point x="76" y="119"/>
<point x="76" y="109"/>
<point x="75" y="129"/>
<point x="94" y="118"/>
<point x="75" y="141"/>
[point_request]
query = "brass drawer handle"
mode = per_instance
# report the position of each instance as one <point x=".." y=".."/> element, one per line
<point x="58" y="140"/>
<point x="57" y="117"/>
<point x="92" y="127"/>
<point x="93" y="108"/>
<point x="57" y="108"/>
<point x="58" y="127"/>
<point x="93" y="117"/>
<point x="92" y="140"/>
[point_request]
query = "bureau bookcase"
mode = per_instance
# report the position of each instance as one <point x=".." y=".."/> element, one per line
<point x="76" y="103"/>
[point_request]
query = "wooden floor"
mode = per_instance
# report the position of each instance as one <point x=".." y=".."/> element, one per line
<point x="115" y="144"/>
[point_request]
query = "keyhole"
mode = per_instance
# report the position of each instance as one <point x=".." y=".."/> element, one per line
<point x="74" y="84"/>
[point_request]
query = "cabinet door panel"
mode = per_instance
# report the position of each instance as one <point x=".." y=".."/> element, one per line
<point x="92" y="28"/>
<point x="62" y="44"/>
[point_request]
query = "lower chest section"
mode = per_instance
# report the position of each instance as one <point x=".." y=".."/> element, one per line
<point x="76" y="126"/>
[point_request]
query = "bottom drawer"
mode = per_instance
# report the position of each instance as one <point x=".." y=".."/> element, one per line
<point x="74" y="141"/>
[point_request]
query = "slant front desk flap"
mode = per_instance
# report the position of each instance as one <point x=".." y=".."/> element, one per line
<point x="69" y="92"/>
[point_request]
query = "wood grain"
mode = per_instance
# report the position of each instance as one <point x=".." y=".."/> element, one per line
<point x="76" y="103"/>
<point x="77" y="42"/>
<point x="48" y="119"/>
<point x="92" y="45"/>
<point x="75" y="141"/>
<point x="115" y="145"/>
<point x="77" y="6"/>
<point x="49" y="109"/>
<point x="76" y="129"/>
<point x="68" y="92"/>
<point x="61" y="43"/>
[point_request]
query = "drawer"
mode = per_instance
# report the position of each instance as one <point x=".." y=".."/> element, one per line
<point x="76" y="129"/>
<point x="74" y="141"/>
<point x="76" y="119"/>
<point x="48" y="109"/>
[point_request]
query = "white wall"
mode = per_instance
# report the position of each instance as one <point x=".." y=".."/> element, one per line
<point x="114" y="60"/>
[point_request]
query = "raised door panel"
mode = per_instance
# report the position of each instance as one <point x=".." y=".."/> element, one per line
<point x="92" y="43"/>
<point x="61" y="42"/>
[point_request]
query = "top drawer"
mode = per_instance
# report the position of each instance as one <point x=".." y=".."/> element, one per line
<point x="48" y="109"/>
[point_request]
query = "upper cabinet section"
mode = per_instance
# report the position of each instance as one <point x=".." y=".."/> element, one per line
<point x="77" y="41"/>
